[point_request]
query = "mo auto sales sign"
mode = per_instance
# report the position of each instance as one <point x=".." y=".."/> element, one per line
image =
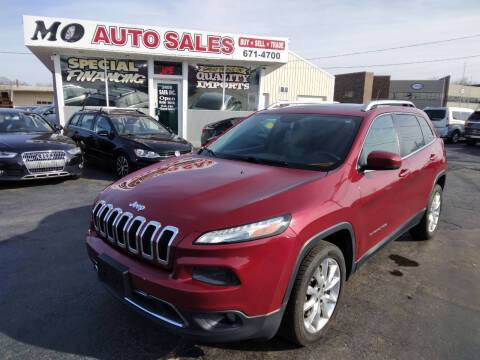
<point x="74" y="34"/>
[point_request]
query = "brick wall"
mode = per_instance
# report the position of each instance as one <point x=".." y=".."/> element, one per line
<point x="353" y="88"/>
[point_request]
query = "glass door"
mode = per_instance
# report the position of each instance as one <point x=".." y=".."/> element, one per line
<point x="168" y="102"/>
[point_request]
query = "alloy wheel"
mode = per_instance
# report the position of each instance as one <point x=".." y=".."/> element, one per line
<point x="322" y="295"/>
<point x="434" y="213"/>
<point x="122" y="166"/>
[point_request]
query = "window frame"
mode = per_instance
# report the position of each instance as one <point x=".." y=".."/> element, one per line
<point x="358" y="166"/>
<point x="93" y="121"/>
<point x="424" y="143"/>
<point x="100" y="116"/>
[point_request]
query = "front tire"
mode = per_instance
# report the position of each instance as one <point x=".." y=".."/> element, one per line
<point x="427" y="228"/>
<point x="122" y="165"/>
<point x="315" y="296"/>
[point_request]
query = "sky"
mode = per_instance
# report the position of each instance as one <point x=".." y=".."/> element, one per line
<point x="315" y="28"/>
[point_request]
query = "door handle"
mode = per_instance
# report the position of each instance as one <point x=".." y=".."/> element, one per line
<point x="432" y="157"/>
<point x="403" y="172"/>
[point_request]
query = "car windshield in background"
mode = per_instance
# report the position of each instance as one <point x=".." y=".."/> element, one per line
<point x="308" y="141"/>
<point x="15" y="122"/>
<point x="474" y="116"/>
<point x="135" y="125"/>
<point x="436" y="115"/>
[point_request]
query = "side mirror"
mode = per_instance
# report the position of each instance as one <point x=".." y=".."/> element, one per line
<point x="57" y="127"/>
<point x="383" y="160"/>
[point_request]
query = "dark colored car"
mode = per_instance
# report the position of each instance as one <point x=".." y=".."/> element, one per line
<point x="125" y="139"/>
<point x="215" y="129"/>
<point x="49" y="113"/>
<point x="263" y="227"/>
<point x="472" y="128"/>
<point x="31" y="149"/>
<point x="26" y="108"/>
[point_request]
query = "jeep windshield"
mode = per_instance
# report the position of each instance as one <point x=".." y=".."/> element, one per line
<point x="306" y="141"/>
<point x="15" y="122"/>
<point x="137" y="125"/>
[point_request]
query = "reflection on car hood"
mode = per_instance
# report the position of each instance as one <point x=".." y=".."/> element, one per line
<point x="20" y="142"/>
<point x="161" y="143"/>
<point x="190" y="191"/>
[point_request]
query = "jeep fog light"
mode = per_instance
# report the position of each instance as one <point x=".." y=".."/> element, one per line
<point x="258" y="230"/>
<point x="218" y="321"/>
<point x="215" y="275"/>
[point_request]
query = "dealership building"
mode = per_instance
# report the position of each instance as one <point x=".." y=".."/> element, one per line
<point x="185" y="78"/>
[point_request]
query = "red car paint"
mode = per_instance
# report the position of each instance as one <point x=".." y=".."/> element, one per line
<point x="198" y="194"/>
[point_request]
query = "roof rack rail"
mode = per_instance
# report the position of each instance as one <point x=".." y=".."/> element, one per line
<point x="280" y="104"/>
<point x="377" y="103"/>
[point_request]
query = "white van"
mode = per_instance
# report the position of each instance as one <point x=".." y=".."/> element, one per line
<point x="449" y="122"/>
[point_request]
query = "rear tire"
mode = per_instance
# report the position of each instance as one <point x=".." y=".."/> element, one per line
<point x="427" y="228"/>
<point x="314" y="302"/>
<point x="455" y="137"/>
<point x="122" y="165"/>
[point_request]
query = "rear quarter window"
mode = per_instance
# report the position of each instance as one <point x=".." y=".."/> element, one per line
<point x="409" y="133"/>
<point x="426" y="130"/>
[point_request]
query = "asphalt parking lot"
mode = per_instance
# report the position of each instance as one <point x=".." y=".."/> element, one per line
<point x="413" y="300"/>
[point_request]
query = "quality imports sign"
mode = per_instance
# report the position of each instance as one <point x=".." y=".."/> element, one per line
<point x="151" y="40"/>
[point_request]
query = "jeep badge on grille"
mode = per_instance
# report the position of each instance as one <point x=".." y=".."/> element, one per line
<point x="137" y="206"/>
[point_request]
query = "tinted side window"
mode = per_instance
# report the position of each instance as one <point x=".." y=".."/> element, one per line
<point x="102" y="124"/>
<point x="381" y="137"/>
<point x="409" y="134"/>
<point x="426" y="130"/>
<point x="87" y="121"/>
<point x="74" y="120"/>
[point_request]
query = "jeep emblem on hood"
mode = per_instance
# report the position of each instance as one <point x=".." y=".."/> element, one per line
<point x="137" y="206"/>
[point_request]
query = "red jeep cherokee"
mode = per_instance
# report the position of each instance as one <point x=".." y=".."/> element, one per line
<point x="261" y="229"/>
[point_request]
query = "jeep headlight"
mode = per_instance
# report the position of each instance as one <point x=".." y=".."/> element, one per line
<point x="257" y="230"/>
<point x="75" y="151"/>
<point x="145" y="153"/>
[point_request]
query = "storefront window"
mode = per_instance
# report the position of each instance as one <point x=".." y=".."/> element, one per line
<point x="84" y="82"/>
<point x="206" y="85"/>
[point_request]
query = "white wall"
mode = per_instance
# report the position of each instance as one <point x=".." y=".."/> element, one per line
<point x="302" y="79"/>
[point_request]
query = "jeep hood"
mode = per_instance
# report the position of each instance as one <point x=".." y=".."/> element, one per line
<point x="193" y="191"/>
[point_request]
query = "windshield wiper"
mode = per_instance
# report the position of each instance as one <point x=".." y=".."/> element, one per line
<point x="256" y="160"/>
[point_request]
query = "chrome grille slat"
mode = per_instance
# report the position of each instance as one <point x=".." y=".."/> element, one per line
<point x="46" y="161"/>
<point x="115" y="213"/>
<point x="174" y="230"/>
<point x="116" y="230"/>
<point x="142" y="220"/>
<point x="151" y="241"/>
<point x="157" y="226"/>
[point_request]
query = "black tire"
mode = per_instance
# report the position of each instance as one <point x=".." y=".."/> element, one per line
<point x="423" y="231"/>
<point x="122" y="165"/>
<point x="293" y="327"/>
<point x="455" y="137"/>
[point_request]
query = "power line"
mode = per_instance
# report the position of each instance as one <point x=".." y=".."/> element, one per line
<point x="15" y="52"/>
<point x="396" y="47"/>
<point x="403" y="63"/>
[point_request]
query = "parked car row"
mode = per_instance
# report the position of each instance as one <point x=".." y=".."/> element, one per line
<point x="32" y="147"/>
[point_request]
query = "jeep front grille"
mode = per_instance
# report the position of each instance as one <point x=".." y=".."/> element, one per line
<point x="138" y="236"/>
<point x="44" y="161"/>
